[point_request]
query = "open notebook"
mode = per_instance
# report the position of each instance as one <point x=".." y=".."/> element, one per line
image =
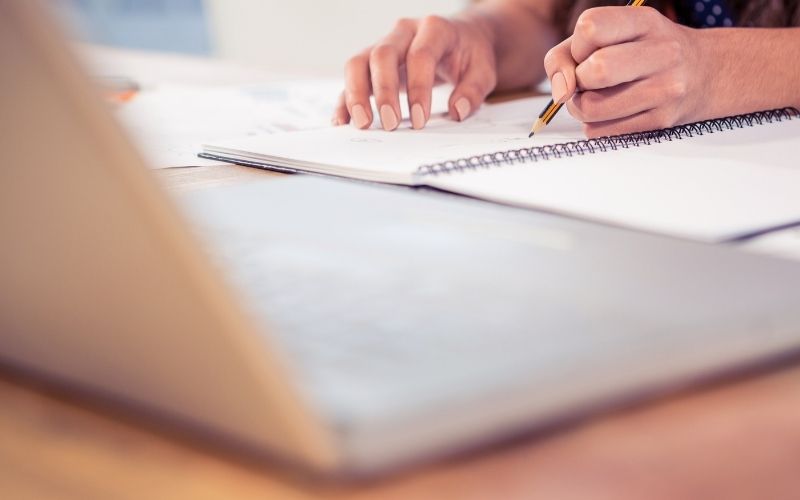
<point x="712" y="181"/>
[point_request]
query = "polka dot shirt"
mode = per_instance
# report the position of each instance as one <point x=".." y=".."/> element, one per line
<point x="705" y="13"/>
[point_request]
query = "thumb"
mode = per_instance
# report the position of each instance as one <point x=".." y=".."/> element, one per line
<point x="470" y="92"/>
<point x="560" y="68"/>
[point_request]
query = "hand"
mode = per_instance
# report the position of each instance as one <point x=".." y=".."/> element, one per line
<point x="416" y="55"/>
<point x="628" y="69"/>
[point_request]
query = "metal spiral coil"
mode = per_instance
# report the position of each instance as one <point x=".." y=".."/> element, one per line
<point x="602" y="144"/>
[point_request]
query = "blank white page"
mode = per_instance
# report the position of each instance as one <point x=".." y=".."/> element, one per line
<point x="396" y="156"/>
<point x="712" y="187"/>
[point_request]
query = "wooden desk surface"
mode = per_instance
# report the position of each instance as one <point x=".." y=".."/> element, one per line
<point x="739" y="440"/>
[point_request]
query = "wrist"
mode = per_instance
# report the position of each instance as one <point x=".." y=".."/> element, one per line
<point x="711" y="60"/>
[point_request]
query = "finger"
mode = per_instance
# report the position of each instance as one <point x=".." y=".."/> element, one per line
<point x="652" y="119"/>
<point x="434" y="38"/>
<point x="604" y="26"/>
<point x="340" y="114"/>
<point x="560" y="68"/>
<point x="616" y="64"/>
<point x="384" y="66"/>
<point x="627" y="99"/>
<point x="471" y="90"/>
<point x="358" y="88"/>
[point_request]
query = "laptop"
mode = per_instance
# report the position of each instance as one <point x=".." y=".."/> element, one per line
<point x="343" y="327"/>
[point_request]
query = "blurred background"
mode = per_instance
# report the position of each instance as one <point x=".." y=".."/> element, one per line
<point x="302" y="37"/>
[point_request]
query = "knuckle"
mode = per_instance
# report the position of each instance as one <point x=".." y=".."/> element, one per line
<point x="558" y="56"/>
<point x="551" y="60"/>
<point x="405" y="24"/>
<point x="598" y="70"/>
<point x="587" y="24"/>
<point x="652" y="15"/>
<point x="357" y="91"/>
<point x="673" y="52"/>
<point x="418" y="90"/>
<point x="434" y="22"/>
<point x="355" y="62"/>
<point x="574" y="53"/>
<point x="383" y="88"/>
<point x="383" y="53"/>
<point x="420" y="56"/>
<point x="677" y="89"/>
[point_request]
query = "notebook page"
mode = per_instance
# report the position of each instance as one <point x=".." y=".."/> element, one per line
<point x="711" y="188"/>
<point x="395" y="156"/>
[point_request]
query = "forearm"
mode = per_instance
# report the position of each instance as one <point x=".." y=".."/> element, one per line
<point x="521" y="32"/>
<point x="750" y="69"/>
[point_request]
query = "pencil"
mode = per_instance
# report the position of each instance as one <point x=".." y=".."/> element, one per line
<point x="552" y="107"/>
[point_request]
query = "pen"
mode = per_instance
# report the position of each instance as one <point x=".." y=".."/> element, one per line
<point x="552" y="108"/>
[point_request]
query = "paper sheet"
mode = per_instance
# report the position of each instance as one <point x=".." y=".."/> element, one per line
<point x="396" y="156"/>
<point x="170" y="122"/>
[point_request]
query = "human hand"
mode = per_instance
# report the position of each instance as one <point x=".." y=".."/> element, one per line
<point x="416" y="55"/>
<point x="628" y="69"/>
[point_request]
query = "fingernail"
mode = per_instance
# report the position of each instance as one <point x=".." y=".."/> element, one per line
<point x="558" y="84"/>
<point x="417" y="116"/>
<point x="360" y="119"/>
<point x="335" y="121"/>
<point x="388" y="118"/>
<point x="462" y="108"/>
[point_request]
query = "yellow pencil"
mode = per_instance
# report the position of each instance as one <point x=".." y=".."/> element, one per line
<point x="552" y="108"/>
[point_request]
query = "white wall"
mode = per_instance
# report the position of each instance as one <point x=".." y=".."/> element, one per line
<point x="308" y="37"/>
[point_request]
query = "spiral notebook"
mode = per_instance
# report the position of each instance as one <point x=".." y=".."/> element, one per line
<point x="715" y="180"/>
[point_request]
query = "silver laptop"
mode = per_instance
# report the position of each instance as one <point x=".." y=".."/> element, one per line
<point x="343" y="327"/>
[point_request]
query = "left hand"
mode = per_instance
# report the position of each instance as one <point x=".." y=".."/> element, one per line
<point x="628" y="69"/>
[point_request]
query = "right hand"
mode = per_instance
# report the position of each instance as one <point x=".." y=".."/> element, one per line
<point x="416" y="55"/>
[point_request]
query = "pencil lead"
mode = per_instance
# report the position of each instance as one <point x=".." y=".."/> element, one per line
<point x="531" y="135"/>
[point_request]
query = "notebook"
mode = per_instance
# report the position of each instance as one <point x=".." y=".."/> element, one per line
<point x="716" y="180"/>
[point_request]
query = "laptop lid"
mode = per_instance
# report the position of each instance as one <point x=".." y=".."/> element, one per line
<point x="102" y="287"/>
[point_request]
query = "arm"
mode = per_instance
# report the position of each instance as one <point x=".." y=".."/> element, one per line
<point x="749" y="69"/>
<point x="494" y="44"/>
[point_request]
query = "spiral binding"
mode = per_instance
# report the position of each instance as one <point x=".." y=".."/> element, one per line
<point x="602" y="144"/>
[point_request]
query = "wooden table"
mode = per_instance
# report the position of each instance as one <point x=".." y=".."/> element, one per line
<point x="739" y="440"/>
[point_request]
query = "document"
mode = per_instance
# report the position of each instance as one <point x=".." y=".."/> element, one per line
<point x="396" y="156"/>
<point x="170" y="122"/>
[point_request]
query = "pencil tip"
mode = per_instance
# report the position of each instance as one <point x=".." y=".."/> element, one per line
<point x="531" y="135"/>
